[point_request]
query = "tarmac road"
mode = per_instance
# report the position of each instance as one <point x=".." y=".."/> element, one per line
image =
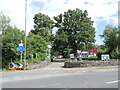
<point x="107" y="79"/>
<point x="54" y="76"/>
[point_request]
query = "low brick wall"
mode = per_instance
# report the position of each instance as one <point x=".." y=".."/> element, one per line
<point x="72" y="64"/>
<point x="34" y="65"/>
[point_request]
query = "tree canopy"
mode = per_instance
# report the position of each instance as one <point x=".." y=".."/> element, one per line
<point x="43" y="26"/>
<point x="11" y="38"/>
<point x="75" y="31"/>
<point x="10" y="42"/>
<point x="36" y="45"/>
<point x="4" y="23"/>
<point x="111" y="40"/>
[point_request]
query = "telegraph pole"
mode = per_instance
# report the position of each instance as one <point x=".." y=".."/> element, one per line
<point x="21" y="52"/>
<point x="25" y="35"/>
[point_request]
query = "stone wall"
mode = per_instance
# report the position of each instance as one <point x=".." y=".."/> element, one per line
<point x="71" y="64"/>
<point x="34" y="65"/>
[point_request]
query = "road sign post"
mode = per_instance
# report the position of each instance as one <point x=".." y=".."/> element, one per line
<point x="21" y="49"/>
<point x="20" y="56"/>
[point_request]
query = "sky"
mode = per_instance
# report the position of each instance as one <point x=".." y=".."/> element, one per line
<point x="102" y="12"/>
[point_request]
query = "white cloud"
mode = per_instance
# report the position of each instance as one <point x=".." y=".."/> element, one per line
<point x="95" y="8"/>
<point x="15" y="9"/>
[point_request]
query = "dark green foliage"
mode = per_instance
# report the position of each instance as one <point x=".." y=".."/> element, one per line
<point x="11" y="38"/>
<point x="4" y="23"/>
<point x="102" y="50"/>
<point x="75" y="31"/>
<point x="10" y="42"/>
<point x="111" y="40"/>
<point x="36" y="44"/>
<point x="43" y="26"/>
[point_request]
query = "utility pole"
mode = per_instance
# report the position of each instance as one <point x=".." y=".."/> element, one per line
<point x="25" y="35"/>
<point x="21" y="53"/>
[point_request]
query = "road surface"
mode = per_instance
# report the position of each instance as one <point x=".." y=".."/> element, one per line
<point x="54" y="76"/>
<point x="106" y="79"/>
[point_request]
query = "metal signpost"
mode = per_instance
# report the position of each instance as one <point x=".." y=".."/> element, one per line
<point x="21" y="49"/>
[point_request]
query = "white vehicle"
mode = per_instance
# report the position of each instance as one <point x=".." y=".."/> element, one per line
<point x="90" y="54"/>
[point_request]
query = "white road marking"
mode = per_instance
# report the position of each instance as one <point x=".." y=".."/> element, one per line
<point x="113" y="82"/>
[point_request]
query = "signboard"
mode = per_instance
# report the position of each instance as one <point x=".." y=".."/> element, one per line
<point x="78" y="51"/>
<point x="15" y="66"/>
<point x="20" y="44"/>
<point x="21" y="48"/>
<point x="93" y="50"/>
<point x="71" y="56"/>
<point x="105" y="57"/>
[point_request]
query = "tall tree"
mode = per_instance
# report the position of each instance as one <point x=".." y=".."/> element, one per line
<point x="36" y="45"/>
<point x="10" y="42"/>
<point x="43" y="26"/>
<point x="111" y="40"/>
<point x="76" y="29"/>
<point x="4" y="23"/>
